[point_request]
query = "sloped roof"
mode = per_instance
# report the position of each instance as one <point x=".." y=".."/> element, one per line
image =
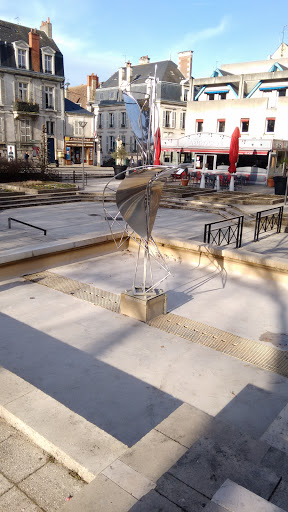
<point x="11" y="32"/>
<point x="74" y="108"/>
<point x="167" y="71"/>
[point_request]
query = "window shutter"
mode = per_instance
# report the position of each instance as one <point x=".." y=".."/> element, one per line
<point x="163" y="118"/>
<point x="181" y="120"/>
<point x="119" y="119"/>
<point x="2" y="91"/>
<point x="173" y="123"/>
<point x="57" y="99"/>
<point x="131" y="144"/>
<point x="43" y="97"/>
<point x="107" y="143"/>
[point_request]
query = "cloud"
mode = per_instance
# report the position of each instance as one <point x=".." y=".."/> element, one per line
<point x="192" y="38"/>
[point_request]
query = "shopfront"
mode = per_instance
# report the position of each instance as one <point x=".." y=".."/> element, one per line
<point x="210" y="151"/>
<point x="73" y="150"/>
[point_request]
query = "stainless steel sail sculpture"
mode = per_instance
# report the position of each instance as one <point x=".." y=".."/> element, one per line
<point x="137" y="201"/>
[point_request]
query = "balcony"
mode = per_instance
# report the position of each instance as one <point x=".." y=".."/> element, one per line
<point x="25" y="107"/>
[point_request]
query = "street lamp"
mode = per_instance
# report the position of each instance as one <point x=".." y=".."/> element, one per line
<point x="83" y="124"/>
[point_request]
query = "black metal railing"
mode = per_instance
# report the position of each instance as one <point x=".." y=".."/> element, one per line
<point x="26" y="224"/>
<point x="268" y="221"/>
<point x="231" y="233"/>
<point x="72" y="176"/>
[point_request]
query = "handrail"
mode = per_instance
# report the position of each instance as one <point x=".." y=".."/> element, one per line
<point x="267" y="222"/>
<point x="231" y="233"/>
<point x="26" y="224"/>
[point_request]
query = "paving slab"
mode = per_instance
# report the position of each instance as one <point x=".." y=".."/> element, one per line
<point x="153" y="455"/>
<point x="16" y="501"/>
<point x="19" y="458"/>
<point x="50" y="486"/>
<point x="5" y="430"/>
<point x="280" y="496"/>
<point x="236" y="498"/>
<point x="277" y="433"/>
<point x="181" y="494"/>
<point x="5" y="485"/>
<point x="196" y="423"/>
<point x="101" y="495"/>
<point x="156" y="502"/>
<point x="128" y="479"/>
<point x="207" y="465"/>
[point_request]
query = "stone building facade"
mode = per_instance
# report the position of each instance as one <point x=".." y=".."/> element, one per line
<point x="31" y="91"/>
<point x="111" y="120"/>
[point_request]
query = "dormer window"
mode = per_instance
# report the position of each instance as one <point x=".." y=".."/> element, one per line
<point x="21" y="54"/>
<point x="48" y="60"/>
<point x="48" y="64"/>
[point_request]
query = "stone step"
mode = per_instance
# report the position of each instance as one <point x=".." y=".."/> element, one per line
<point x="232" y="497"/>
<point x="36" y="197"/>
<point x="40" y="202"/>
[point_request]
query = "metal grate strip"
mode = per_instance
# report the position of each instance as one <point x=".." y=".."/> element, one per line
<point x="267" y="358"/>
<point x="79" y="290"/>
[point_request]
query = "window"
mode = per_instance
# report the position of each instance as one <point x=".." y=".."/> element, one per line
<point x="100" y="120"/>
<point x="77" y="128"/>
<point x="182" y="120"/>
<point x="50" y="127"/>
<point x="282" y="92"/>
<point x="48" y="64"/>
<point x="169" y="119"/>
<point x="185" y="94"/>
<point x="21" y="52"/>
<point x="111" y="95"/>
<point x="21" y="58"/>
<point x="211" y="97"/>
<point x="244" y="125"/>
<point x="111" y="120"/>
<point x="22" y="91"/>
<point x="123" y="119"/>
<point x="222" y="96"/>
<point x="199" y="125"/>
<point x="111" y="143"/>
<point x="133" y="145"/>
<point x="25" y="130"/>
<point x="123" y="140"/>
<point x="48" y="60"/>
<point x="221" y="126"/>
<point x="49" y="103"/>
<point x="270" y="125"/>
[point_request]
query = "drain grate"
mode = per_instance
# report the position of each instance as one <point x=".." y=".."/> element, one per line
<point x="267" y="358"/>
<point x="80" y="290"/>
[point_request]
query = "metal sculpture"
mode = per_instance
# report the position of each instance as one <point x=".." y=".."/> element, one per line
<point x="137" y="200"/>
<point x="132" y="205"/>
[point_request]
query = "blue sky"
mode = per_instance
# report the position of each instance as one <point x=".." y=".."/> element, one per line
<point x="97" y="37"/>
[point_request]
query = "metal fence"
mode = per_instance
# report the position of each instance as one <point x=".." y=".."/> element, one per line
<point x="268" y="221"/>
<point x="231" y="233"/>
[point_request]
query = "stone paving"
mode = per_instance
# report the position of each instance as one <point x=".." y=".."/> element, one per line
<point x="30" y="479"/>
<point x="155" y="422"/>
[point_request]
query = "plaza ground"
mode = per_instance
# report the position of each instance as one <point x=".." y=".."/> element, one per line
<point x="70" y="367"/>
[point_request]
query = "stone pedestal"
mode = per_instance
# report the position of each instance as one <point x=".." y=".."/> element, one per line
<point x="143" y="306"/>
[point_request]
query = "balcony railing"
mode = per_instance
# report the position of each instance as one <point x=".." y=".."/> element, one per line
<point x="26" y="106"/>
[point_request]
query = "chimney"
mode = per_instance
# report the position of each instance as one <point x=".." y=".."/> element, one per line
<point x="128" y="72"/>
<point x="92" y="85"/>
<point x="144" y="60"/>
<point x="121" y="76"/>
<point x="185" y="63"/>
<point x="35" y="49"/>
<point x="46" y="27"/>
